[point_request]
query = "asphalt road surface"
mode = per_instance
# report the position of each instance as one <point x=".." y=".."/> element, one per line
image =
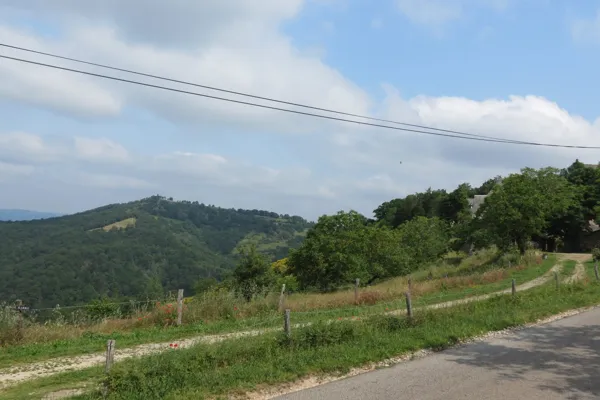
<point x="560" y="360"/>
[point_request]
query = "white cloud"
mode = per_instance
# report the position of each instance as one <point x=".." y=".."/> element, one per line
<point x="28" y="147"/>
<point x="49" y="88"/>
<point x="102" y="150"/>
<point x="107" y="181"/>
<point x="269" y="66"/>
<point x="587" y="30"/>
<point x="183" y="23"/>
<point x="240" y="47"/>
<point x="182" y="171"/>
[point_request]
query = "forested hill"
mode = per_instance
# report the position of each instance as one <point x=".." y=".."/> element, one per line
<point x="134" y="249"/>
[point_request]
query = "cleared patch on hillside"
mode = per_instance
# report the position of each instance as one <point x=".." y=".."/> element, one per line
<point x="262" y="242"/>
<point x="126" y="223"/>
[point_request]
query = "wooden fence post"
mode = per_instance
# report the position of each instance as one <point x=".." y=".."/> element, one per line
<point x="356" y="285"/>
<point x="514" y="287"/>
<point x="556" y="279"/>
<point x="408" y="305"/>
<point x="282" y="298"/>
<point x="287" y="327"/>
<point x="596" y="271"/>
<point x="179" y="306"/>
<point x="110" y="355"/>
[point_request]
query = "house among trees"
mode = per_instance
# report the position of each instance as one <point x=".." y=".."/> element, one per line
<point x="476" y="202"/>
<point x="478" y="199"/>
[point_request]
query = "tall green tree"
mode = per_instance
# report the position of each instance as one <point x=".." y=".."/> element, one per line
<point x="424" y="239"/>
<point x="455" y="203"/>
<point x="343" y="247"/>
<point x="523" y="206"/>
<point x="253" y="273"/>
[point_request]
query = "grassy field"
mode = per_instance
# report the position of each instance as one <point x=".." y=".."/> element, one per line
<point x="126" y="223"/>
<point x="240" y="365"/>
<point x="475" y="276"/>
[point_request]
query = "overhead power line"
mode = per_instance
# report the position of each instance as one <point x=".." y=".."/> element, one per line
<point x="327" y="117"/>
<point x="237" y="93"/>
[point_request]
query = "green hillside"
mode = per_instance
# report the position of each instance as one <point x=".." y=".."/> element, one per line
<point x="134" y="249"/>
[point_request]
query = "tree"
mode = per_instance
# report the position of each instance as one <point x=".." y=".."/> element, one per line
<point x="524" y="205"/>
<point x="253" y="273"/>
<point x="396" y="212"/>
<point x="424" y="239"/>
<point x="455" y="203"/>
<point x="341" y="248"/>
<point x="153" y="289"/>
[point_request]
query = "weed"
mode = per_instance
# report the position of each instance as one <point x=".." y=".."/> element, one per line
<point x="321" y="334"/>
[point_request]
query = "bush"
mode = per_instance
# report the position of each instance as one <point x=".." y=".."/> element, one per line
<point x="321" y="334"/>
<point x="10" y="328"/>
<point x="101" y="309"/>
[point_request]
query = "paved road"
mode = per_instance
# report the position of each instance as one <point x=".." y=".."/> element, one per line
<point x="560" y="360"/>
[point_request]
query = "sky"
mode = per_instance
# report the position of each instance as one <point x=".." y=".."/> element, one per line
<point x="516" y="69"/>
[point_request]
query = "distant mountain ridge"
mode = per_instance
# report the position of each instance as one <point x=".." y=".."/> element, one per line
<point x="24" y="215"/>
<point x="137" y="249"/>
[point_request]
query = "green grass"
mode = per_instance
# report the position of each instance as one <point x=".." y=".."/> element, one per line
<point x="240" y="365"/>
<point x="87" y="379"/>
<point x="589" y="269"/>
<point x="94" y="342"/>
<point x="520" y="277"/>
<point x="568" y="269"/>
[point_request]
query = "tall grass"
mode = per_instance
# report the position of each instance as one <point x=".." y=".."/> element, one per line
<point x="223" y="307"/>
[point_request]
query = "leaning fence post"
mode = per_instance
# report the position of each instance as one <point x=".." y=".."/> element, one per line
<point x="282" y="297"/>
<point x="409" y="311"/>
<point x="287" y="328"/>
<point x="110" y="355"/>
<point x="356" y="285"/>
<point x="596" y="271"/>
<point x="179" y="306"/>
<point x="514" y="287"/>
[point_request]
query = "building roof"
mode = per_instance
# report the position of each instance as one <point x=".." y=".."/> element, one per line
<point x="476" y="202"/>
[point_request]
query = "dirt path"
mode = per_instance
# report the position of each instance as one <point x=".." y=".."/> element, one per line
<point x="21" y="373"/>
<point x="525" y="286"/>
<point x="579" y="271"/>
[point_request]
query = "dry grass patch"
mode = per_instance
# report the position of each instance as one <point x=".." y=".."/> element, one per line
<point x="126" y="223"/>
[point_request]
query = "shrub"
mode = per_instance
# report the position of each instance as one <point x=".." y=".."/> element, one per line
<point x="101" y="309"/>
<point x="10" y="325"/>
<point x="321" y="334"/>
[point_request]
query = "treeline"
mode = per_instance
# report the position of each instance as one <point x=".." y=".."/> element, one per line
<point x="169" y="244"/>
<point x="548" y="208"/>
